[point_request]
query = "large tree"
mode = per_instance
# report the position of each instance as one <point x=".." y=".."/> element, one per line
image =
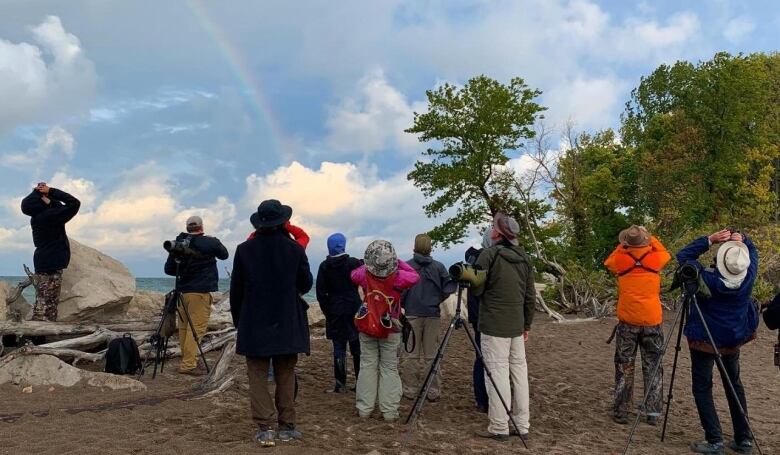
<point x="476" y="128"/>
<point x="706" y="139"/>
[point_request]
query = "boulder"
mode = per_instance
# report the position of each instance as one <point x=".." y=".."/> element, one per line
<point x="20" y="306"/>
<point x="47" y="370"/>
<point x="145" y="306"/>
<point x="94" y="285"/>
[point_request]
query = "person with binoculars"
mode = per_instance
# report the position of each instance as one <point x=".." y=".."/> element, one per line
<point x="732" y="318"/>
<point x="637" y="262"/>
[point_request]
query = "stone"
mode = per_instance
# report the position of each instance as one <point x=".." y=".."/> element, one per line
<point x="20" y="306"/>
<point x="145" y="306"/>
<point x="94" y="285"/>
<point x="549" y="278"/>
<point x="47" y="370"/>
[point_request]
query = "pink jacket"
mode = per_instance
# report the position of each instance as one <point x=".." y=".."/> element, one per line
<point x="404" y="279"/>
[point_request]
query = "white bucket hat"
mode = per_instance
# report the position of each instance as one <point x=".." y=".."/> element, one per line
<point x="733" y="260"/>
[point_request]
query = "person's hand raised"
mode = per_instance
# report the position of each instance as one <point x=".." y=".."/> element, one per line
<point x="42" y="188"/>
<point x="737" y="237"/>
<point x="721" y="236"/>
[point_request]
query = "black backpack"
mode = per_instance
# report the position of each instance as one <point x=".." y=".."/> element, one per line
<point x="123" y="356"/>
<point x="772" y="313"/>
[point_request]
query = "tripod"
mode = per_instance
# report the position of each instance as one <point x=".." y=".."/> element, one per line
<point x="690" y="287"/>
<point x="158" y="341"/>
<point x="455" y="323"/>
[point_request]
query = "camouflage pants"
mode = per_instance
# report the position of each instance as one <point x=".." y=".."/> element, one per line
<point x="650" y="341"/>
<point x="47" y="297"/>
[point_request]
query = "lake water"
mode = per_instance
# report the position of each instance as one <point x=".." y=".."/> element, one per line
<point x="160" y="284"/>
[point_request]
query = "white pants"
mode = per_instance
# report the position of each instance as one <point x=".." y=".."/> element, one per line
<point x="505" y="358"/>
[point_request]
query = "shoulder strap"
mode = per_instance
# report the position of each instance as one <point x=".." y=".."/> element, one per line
<point x="638" y="264"/>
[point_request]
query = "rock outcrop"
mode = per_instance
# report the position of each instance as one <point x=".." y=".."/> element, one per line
<point x="20" y="306"/>
<point x="93" y="285"/>
<point x="46" y="370"/>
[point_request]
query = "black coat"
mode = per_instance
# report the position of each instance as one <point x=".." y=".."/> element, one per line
<point x="338" y="297"/>
<point x="270" y="272"/>
<point x="198" y="274"/>
<point x="52" y="249"/>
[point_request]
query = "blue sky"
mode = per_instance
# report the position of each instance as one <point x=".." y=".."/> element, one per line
<point x="152" y="111"/>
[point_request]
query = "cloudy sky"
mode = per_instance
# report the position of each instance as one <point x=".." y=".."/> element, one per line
<point x="151" y="111"/>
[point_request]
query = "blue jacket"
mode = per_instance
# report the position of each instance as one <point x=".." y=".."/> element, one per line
<point x="730" y="314"/>
<point x="424" y="298"/>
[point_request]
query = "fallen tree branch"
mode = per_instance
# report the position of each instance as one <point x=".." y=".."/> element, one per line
<point x="63" y="353"/>
<point x="44" y="328"/>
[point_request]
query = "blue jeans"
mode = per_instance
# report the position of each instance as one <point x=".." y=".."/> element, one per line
<point x="701" y="370"/>
<point x="340" y="348"/>
<point x="478" y="376"/>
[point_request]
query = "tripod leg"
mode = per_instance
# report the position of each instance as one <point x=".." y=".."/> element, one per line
<point x="420" y="400"/>
<point x="669" y="397"/>
<point x="724" y="374"/>
<point x="508" y="410"/>
<point x="194" y="334"/>
<point x="163" y="353"/>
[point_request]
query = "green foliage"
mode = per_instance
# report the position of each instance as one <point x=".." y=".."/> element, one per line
<point x="706" y="140"/>
<point x="593" y="184"/>
<point x="476" y="126"/>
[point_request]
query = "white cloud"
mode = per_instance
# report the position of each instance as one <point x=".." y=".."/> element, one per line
<point x="739" y="28"/>
<point x="47" y="81"/>
<point x="57" y="144"/>
<point x="589" y="102"/>
<point x="373" y="120"/>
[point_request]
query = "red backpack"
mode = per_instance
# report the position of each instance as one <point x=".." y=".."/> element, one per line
<point x="374" y="318"/>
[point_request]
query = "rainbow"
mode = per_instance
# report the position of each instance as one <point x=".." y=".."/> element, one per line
<point x="238" y="65"/>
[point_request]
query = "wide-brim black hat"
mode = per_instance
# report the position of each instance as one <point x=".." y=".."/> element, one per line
<point x="270" y="213"/>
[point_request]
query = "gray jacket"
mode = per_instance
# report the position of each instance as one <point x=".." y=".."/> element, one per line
<point x="424" y="298"/>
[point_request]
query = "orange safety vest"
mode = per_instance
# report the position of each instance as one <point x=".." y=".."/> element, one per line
<point x="639" y="282"/>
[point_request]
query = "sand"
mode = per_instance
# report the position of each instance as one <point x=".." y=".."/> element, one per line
<point x="571" y="376"/>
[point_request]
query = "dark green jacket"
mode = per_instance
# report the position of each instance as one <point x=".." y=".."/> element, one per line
<point x="508" y="296"/>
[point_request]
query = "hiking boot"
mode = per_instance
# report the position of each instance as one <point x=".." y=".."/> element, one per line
<point x="620" y="417"/>
<point x="708" y="447"/>
<point x="652" y="420"/>
<point x="391" y="418"/>
<point x="289" y="435"/>
<point x="742" y="447"/>
<point x="338" y="388"/>
<point x="266" y="438"/>
<point x="197" y="371"/>
<point x="523" y="436"/>
<point x="493" y="436"/>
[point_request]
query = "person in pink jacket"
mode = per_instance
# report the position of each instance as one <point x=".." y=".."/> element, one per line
<point x="379" y="379"/>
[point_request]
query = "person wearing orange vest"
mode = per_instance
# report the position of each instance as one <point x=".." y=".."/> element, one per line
<point x="637" y="263"/>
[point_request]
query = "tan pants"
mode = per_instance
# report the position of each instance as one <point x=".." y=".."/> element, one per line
<point x="199" y="308"/>
<point x="415" y="365"/>
<point x="283" y="404"/>
<point x="505" y="358"/>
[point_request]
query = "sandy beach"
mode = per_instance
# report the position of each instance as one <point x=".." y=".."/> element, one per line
<point x="571" y="376"/>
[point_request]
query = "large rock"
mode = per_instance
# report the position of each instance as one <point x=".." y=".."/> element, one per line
<point x="93" y="285"/>
<point x="19" y="307"/>
<point x="47" y="370"/>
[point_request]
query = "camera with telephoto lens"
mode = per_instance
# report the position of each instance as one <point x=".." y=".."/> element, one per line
<point x="180" y="248"/>
<point x="467" y="273"/>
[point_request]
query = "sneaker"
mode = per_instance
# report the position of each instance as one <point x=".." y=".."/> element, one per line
<point x="493" y="436"/>
<point x="708" y="447"/>
<point x="289" y="435"/>
<point x="266" y="438"/>
<point x="742" y="447"/>
<point x="620" y="417"/>
<point x="338" y="388"/>
<point x="652" y="420"/>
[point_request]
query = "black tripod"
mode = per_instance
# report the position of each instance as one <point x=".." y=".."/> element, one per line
<point x="689" y="279"/>
<point x="159" y="341"/>
<point x="456" y="323"/>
